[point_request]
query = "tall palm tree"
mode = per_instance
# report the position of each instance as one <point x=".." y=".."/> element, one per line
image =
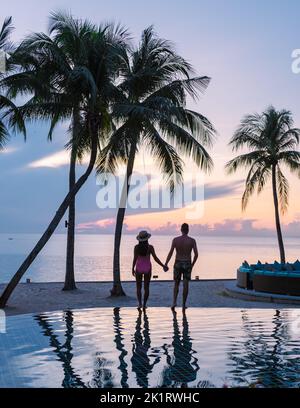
<point x="6" y="103"/>
<point x="95" y="80"/>
<point x="64" y="59"/>
<point x="150" y="109"/>
<point x="69" y="35"/>
<point x="272" y="140"/>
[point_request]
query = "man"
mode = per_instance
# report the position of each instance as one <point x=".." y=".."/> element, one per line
<point x="184" y="245"/>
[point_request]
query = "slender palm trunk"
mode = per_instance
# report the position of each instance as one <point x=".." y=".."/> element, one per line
<point x="53" y="224"/>
<point x="277" y="217"/>
<point x="70" y="275"/>
<point x="117" y="289"/>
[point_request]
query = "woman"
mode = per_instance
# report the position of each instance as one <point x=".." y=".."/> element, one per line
<point x="141" y="266"/>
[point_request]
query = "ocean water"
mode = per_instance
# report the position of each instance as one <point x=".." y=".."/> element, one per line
<point x="219" y="257"/>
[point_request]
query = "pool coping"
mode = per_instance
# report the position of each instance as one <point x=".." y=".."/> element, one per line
<point x="246" y="294"/>
<point x="111" y="282"/>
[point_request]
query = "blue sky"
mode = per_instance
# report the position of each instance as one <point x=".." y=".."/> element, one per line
<point x="244" y="46"/>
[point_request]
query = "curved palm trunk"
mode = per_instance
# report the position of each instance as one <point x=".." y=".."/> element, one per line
<point x="277" y="217"/>
<point x="70" y="275"/>
<point x="117" y="289"/>
<point x="52" y="226"/>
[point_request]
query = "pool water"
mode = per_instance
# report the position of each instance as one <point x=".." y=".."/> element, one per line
<point x="122" y="347"/>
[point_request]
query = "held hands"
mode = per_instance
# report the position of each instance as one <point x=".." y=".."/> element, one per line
<point x="165" y="268"/>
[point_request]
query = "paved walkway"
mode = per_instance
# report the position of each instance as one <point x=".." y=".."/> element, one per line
<point x="43" y="297"/>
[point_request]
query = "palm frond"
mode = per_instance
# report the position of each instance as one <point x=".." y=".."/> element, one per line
<point x="115" y="152"/>
<point x="291" y="159"/>
<point x="12" y="114"/>
<point x="186" y="144"/>
<point x="248" y="133"/>
<point x="244" y="161"/>
<point x="257" y="178"/>
<point x="168" y="160"/>
<point x="201" y="128"/>
<point x="5" y="33"/>
<point x="53" y="124"/>
<point x="289" y="139"/>
<point x="283" y="189"/>
<point x="3" y="135"/>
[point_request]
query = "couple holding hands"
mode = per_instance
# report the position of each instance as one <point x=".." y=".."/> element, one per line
<point x="184" y="245"/>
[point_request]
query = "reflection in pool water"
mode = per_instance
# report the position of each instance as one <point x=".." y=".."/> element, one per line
<point x="129" y="348"/>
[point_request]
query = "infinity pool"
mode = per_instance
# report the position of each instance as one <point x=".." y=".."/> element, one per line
<point x="127" y="348"/>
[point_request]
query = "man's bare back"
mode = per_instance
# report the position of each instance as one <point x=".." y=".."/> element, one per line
<point x="184" y="246"/>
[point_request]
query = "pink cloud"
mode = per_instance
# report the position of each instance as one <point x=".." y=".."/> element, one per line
<point x="230" y="227"/>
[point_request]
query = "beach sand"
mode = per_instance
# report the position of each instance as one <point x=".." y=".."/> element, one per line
<point x="45" y="297"/>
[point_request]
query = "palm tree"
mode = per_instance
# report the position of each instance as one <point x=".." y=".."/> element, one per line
<point x="63" y="69"/>
<point x="272" y="140"/>
<point x="150" y="109"/>
<point x="95" y="81"/>
<point x="5" y="103"/>
<point x="69" y="37"/>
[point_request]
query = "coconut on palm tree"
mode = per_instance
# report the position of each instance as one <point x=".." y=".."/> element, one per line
<point x="150" y="110"/>
<point x="272" y="139"/>
<point x="95" y="81"/>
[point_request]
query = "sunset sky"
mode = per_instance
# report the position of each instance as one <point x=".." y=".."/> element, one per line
<point x="245" y="47"/>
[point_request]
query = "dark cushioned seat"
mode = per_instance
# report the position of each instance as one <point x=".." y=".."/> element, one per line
<point x="272" y="278"/>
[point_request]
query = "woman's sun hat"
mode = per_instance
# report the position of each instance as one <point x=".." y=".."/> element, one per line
<point x="143" y="236"/>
